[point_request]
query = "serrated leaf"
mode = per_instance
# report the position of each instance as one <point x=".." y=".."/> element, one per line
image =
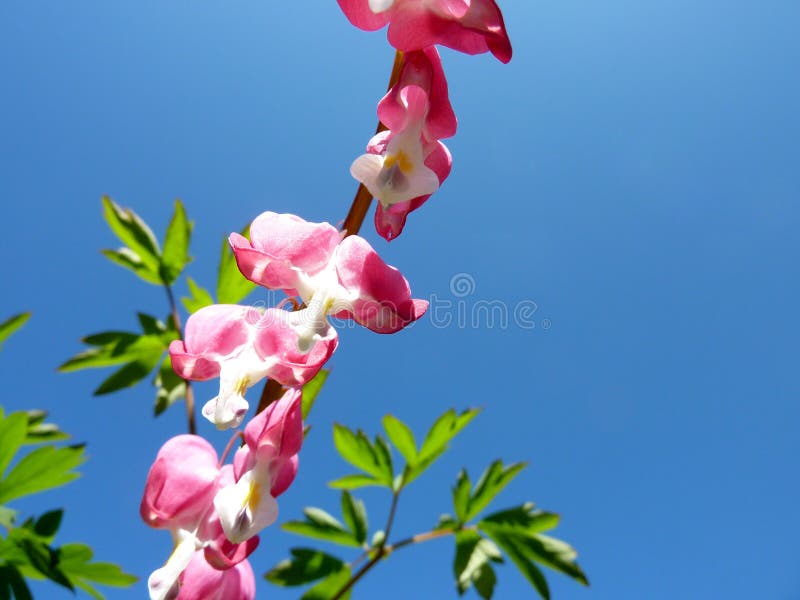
<point x="521" y="520"/>
<point x="322" y="526"/>
<point x="13" y="429"/>
<point x="43" y="469"/>
<point x="116" y="347"/>
<point x="12" y="324"/>
<point x="518" y="555"/>
<point x="125" y="257"/>
<point x="357" y="449"/>
<point x="312" y="389"/>
<point x="41" y="557"/>
<point x="305" y="565"/>
<point x="402" y="437"/>
<point x="355" y="516"/>
<point x="352" y="482"/>
<point x="169" y="387"/>
<point x="556" y="554"/>
<point x="132" y="231"/>
<point x="491" y="483"/>
<point x="328" y="587"/>
<point x="176" y="244"/>
<point x="74" y="561"/>
<point x="461" y="496"/>
<point x="130" y="374"/>
<point x="444" y="429"/>
<point x="199" y="298"/>
<point x="473" y="554"/>
<point x="232" y="286"/>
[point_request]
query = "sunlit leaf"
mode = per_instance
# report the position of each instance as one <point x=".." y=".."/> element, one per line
<point x="357" y="449"/>
<point x="491" y="483"/>
<point x="312" y="389"/>
<point x="328" y="587"/>
<point x="522" y="520"/>
<point x="176" y="244"/>
<point x="199" y="298"/>
<point x="444" y="429"/>
<point x="169" y="387"/>
<point x="43" y="469"/>
<point x="321" y="525"/>
<point x="402" y="437"/>
<point x="133" y="232"/>
<point x="473" y="554"/>
<point x="75" y="563"/>
<point x="13" y="429"/>
<point x="130" y="374"/>
<point x="11" y="325"/>
<point x="355" y="481"/>
<point x="461" y="496"/>
<point x="511" y="546"/>
<point x="231" y="284"/>
<point x="125" y="257"/>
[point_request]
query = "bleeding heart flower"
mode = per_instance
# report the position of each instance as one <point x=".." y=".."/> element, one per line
<point x="201" y="581"/>
<point x="470" y="26"/>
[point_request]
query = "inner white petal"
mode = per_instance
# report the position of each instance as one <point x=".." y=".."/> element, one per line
<point x="163" y="583"/>
<point x="379" y="6"/>
<point x="247" y="506"/>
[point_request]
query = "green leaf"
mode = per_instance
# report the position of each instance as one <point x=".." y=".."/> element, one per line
<point x="521" y="520"/>
<point x="11" y="325"/>
<point x="115" y="347"/>
<point x="322" y="526"/>
<point x="39" y="431"/>
<point x="402" y="437"/>
<point x="491" y="483"/>
<point x="43" y="469"/>
<point x="555" y="554"/>
<point x="176" y="244"/>
<point x="518" y="555"/>
<point x="311" y="391"/>
<point x="130" y="374"/>
<point x="133" y="232"/>
<point x="13" y="430"/>
<point x="355" y="515"/>
<point x="352" y="482"/>
<point x="75" y="562"/>
<point x="461" y="496"/>
<point x="40" y="556"/>
<point x="328" y="587"/>
<point x="231" y="284"/>
<point x="384" y="454"/>
<point x="485" y="580"/>
<point x="125" y="257"/>
<point x="199" y="298"/>
<point x="436" y="441"/>
<point x="47" y="525"/>
<point x="359" y="452"/>
<point x="170" y="388"/>
<point x="305" y="566"/>
<point x="11" y="581"/>
<point x="473" y="554"/>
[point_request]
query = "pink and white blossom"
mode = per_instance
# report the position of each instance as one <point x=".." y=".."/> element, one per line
<point x="470" y="26"/>
<point x="201" y="581"/>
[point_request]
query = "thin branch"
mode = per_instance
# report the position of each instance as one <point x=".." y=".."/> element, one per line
<point x="176" y="320"/>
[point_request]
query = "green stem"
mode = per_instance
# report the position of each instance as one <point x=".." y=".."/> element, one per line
<point x="176" y="320"/>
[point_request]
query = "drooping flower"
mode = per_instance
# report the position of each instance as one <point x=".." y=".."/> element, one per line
<point x="201" y="581"/>
<point x="241" y="346"/>
<point x="264" y="468"/>
<point x="470" y="26"/>
<point x="178" y="496"/>
<point x="346" y="278"/>
<point x="402" y="167"/>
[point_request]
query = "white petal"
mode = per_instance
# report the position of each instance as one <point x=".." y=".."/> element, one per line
<point x="246" y="507"/>
<point x="379" y="6"/>
<point x="163" y="583"/>
<point x="226" y="410"/>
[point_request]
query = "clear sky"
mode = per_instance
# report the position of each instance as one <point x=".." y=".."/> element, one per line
<point x="634" y="172"/>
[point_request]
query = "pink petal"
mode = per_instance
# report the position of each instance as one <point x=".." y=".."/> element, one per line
<point x="181" y="484"/>
<point x="283" y="473"/>
<point x="360" y="15"/>
<point x="279" y="426"/>
<point x="201" y="581"/>
<point x="384" y="302"/>
<point x="279" y="340"/>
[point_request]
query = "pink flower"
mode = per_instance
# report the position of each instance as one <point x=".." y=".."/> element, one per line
<point x="264" y="468"/>
<point x="402" y="167"/>
<point x="200" y="581"/>
<point x="351" y="282"/>
<point x="179" y="495"/>
<point x="470" y="26"/>
<point x="241" y="346"/>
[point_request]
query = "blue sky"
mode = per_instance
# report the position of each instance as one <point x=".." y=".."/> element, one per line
<point x="633" y="171"/>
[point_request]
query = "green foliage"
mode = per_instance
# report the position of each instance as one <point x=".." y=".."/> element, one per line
<point x="141" y="252"/>
<point x="27" y="550"/>
<point x="11" y="325"/>
<point x="312" y="389"/>
<point x="199" y="298"/>
<point x="139" y="354"/>
<point x="514" y="533"/>
<point x="232" y="286"/>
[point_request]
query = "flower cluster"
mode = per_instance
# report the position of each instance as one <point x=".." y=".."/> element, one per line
<point x="215" y="511"/>
<point x="407" y="162"/>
